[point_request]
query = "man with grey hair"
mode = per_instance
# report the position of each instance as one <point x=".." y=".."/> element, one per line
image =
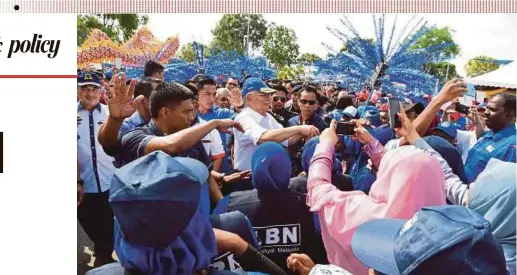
<point x="222" y="98"/>
<point x="259" y="126"/>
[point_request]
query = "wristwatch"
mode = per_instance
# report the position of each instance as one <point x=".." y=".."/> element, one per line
<point x="80" y="181"/>
<point x="221" y="178"/>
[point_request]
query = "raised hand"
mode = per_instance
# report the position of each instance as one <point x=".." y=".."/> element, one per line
<point x="361" y="133"/>
<point x="407" y="130"/>
<point x="329" y="134"/>
<point x="236" y="97"/>
<point x="451" y="90"/>
<point x="120" y="97"/>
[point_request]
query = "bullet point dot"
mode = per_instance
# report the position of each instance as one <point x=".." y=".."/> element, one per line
<point x="16" y="7"/>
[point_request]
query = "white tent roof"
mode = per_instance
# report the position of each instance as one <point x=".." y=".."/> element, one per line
<point x="504" y="77"/>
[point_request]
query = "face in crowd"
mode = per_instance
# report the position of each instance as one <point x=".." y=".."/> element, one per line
<point x="385" y="119"/>
<point x="289" y="87"/>
<point x="500" y="112"/>
<point x="412" y="115"/>
<point x="308" y="102"/>
<point x="171" y="107"/>
<point x="89" y="96"/>
<point x="232" y="83"/>
<point x="207" y="93"/>
<point x="278" y="101"/>
<point x="222" y="98"/>
<point x="258" y="101"/>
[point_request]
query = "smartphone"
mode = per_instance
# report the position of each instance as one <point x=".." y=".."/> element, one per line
<point x="471" y="90"/>
<point x="345" y="128"/>
<point x="463" y="109"/>
<point x="393" y="110"/>
<point x="118" y="63"/>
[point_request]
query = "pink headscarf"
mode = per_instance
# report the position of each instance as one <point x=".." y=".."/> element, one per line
<point x="407" y="180"/>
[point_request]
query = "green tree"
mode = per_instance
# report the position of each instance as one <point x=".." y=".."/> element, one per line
<point x="345" y="46"/>
<point x="231" y="31"/>
<point x="435" y="37"/>
<point x="288" y="72"/>
<point x="439" y="70"/>
<point x="188" y="54"/>
<point x="480" y="65"/>
<point x="308" y="58"/>
<point x="119" y="27"/>
<point x="280" y="45"/>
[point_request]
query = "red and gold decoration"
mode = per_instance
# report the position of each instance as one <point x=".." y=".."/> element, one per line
<point x="140" y="48"/>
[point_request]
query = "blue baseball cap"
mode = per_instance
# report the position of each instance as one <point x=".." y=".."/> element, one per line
<point x="447" y="128"/>
<point x="157" y="195"/>
<point x="255" y="84"/>
<point x="436" y="240"/>
<point x="88" y="78"/>
<point x="350" y="112"/>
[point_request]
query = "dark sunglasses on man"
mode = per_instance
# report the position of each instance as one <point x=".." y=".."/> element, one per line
<point x="279" y="98"/>
<point x="305" y="102"/>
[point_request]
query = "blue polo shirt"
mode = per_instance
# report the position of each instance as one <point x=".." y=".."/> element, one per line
<point x="221" y="113"/>
<point x="131" y="123"/>
<point x="500" y="145"/>
<point x="314" y="120"/>
<point x="133" y="146"/>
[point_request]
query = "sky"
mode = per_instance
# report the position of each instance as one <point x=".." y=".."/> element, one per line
<point x="476" y="34"/>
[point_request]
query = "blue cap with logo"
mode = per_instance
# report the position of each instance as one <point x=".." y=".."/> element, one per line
<point x="436" y="240"/>
<point x="255" y="84"/>
<point x="447" y="128"/>
<point x="156" y="194"/>
<point x="88" y="78"/>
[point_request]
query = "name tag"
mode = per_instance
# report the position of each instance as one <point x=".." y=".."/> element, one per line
<point x="205" y="141"/>
<point x="490" y="148"/>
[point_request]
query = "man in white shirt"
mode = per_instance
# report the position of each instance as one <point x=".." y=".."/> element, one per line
<point x="213" y="146"/>
<point x="259" y="126"/>
<point x="95" y="169"/>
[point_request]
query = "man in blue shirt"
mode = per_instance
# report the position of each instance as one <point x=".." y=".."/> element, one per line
<point x="499" y="141"/>
<point x="95" y="169"/>
<point x="172" y="112"/>
<point x="308" y="102"/>
<point x="206" y="110"/>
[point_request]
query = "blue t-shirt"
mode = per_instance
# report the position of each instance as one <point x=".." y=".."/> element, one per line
<point x="500" y="145"/>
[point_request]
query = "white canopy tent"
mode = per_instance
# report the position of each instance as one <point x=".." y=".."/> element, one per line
<point x="504" y="77"/>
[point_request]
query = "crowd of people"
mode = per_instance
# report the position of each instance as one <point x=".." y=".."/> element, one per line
<point x="252" y="176"/>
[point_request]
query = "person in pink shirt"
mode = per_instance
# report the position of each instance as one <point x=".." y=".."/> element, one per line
<point x="408" y="179"/>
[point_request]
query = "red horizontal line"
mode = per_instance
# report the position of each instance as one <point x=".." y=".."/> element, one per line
<point x="39" y="76"/>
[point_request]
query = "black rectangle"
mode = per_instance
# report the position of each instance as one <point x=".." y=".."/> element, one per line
<point x="1" y="152"/>
<point x="393" y="110"/>
<point x="345" y="128"/>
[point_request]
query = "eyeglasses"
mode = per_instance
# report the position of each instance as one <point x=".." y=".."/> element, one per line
<point x="224" y="99"/>
<point x="305" y="102"/>
<point x="89" y="89"/>
<point x="281" y="98"/>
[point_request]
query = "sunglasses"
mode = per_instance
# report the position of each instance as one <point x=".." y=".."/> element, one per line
<point x="279" y="98"/>
<point x="305" y="102"/>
